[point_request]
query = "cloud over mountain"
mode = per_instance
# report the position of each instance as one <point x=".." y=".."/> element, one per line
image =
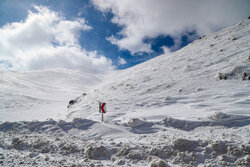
<point x="45" y="39"/>
<point x="149" y="19"/>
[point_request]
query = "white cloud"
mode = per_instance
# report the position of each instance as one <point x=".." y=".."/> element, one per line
<point x="151" y="18"/>
<point x="46" y="39"/>
<point x="165" y="49"/>
<point x="121" y="61"/>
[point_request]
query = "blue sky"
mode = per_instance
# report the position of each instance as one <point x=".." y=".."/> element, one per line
<point x="111" y="35"/>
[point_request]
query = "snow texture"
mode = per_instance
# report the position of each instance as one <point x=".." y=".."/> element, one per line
<point x="187" y="108"/>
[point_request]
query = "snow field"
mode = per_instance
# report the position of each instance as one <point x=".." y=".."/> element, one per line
<point x="187" y="108"/>
<point x="84" y="142"/>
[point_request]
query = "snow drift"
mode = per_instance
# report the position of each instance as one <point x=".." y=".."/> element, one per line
<point x="187" y="108"/>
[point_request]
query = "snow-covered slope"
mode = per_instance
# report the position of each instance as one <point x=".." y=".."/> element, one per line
<point x="40" y="94"/>
<point x="184" y="84"/>
<point x="188" y="108"/>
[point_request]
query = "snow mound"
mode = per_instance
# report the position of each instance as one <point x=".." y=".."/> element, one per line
<point x="135" y="122"/>
<point x="74" y="148"/>
<point x="157" y="162"/>
<point x="218" y="116"/>
<point x="97" y="152"/>
<point x="218" y="119"/>
<point x="47" y="126"/>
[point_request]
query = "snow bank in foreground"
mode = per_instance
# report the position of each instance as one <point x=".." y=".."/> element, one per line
<point x="169" y="142"/>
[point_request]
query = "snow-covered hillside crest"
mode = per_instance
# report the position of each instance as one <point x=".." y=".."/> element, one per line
<point x="188" y="108"/>
<point x="187" y="81"/>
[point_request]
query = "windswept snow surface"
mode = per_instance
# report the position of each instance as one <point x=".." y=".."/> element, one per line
<point x="188" y="108"/>
<point x="184" y="84"/>
<point x="40" y="94"/>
